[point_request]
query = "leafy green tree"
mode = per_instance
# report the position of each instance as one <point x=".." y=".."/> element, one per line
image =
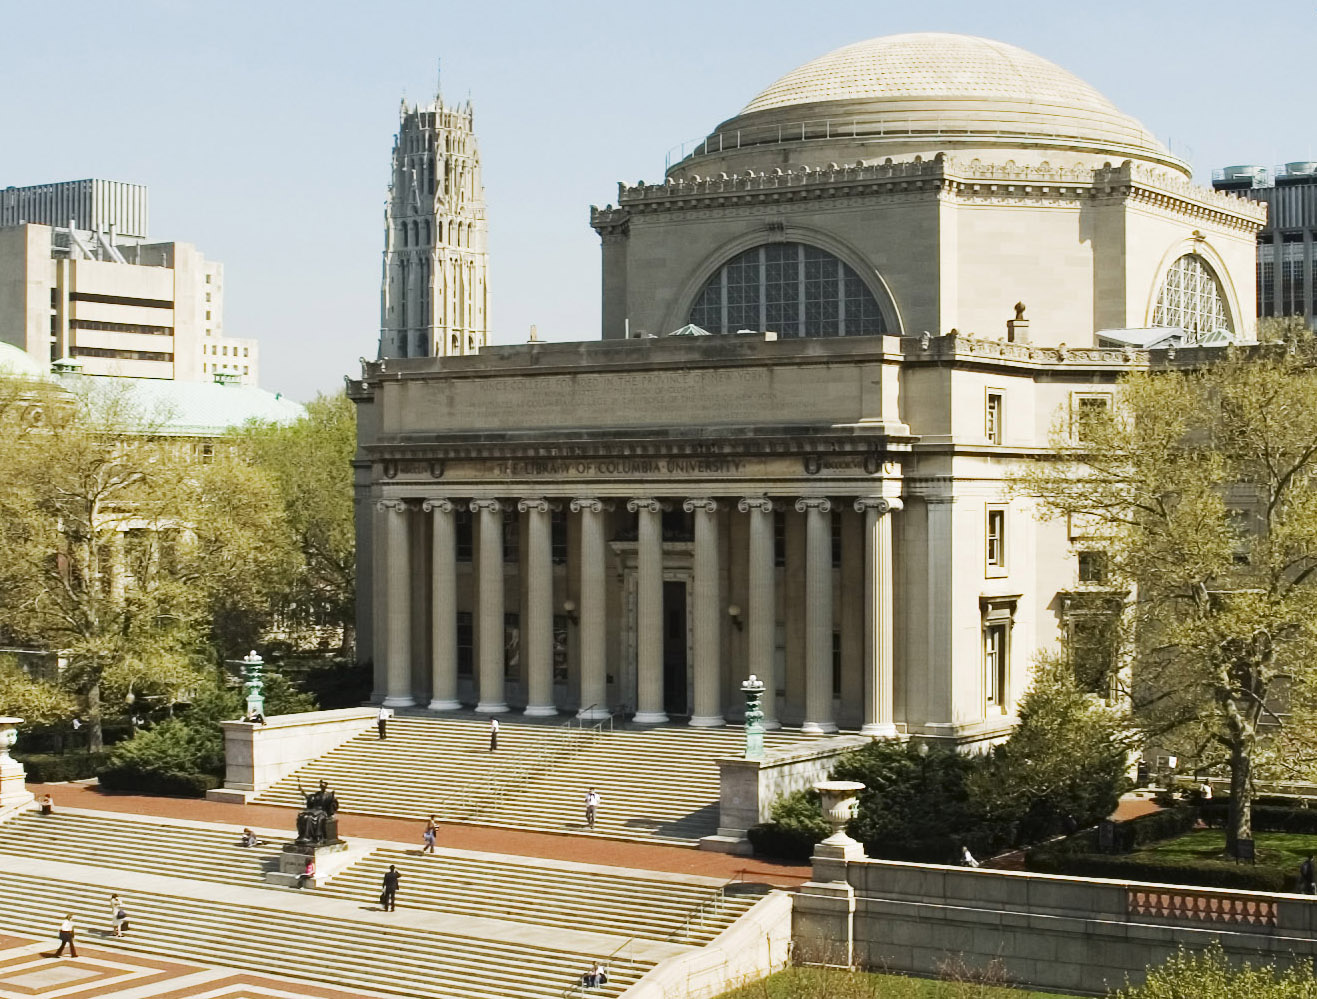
<point x="1209" y="974"/>
<point x="116" y="546"/>
<point x="1066" y="760"/>
<point x="36" y="702"/>
<point x="1196" y="485"/>
<point x="310" y="462"/>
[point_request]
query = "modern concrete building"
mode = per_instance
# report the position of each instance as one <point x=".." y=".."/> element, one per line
<point x="828" y="334"/>
<point x="435" y="296"/>
<point x="79" y="279"/>
<point x="1286" y="264"/>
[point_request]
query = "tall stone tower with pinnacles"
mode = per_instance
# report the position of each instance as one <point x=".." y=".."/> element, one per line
<point x="435" y="295"/>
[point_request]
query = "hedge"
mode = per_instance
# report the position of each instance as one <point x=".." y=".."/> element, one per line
<point x="182" y="785"/>
<point x="51" y="768"/>
<point x="1266" y="818"/>
<point x="1204" y="873"/>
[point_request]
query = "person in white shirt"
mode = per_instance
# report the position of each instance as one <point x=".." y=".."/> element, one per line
<point x="381" y="720"/>
<point x="967" y="858"/>
<point x="592" y="802"/>
<point x="119" y="915"/>
<point x="493" y="734"/>
<point x="66" y="935"/>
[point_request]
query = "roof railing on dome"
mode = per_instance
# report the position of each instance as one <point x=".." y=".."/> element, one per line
<point x="824" y="129"/>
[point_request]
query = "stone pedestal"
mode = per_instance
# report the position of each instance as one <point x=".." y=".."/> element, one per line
<point x="14" y="795"/>
<point x="294" y="856"/>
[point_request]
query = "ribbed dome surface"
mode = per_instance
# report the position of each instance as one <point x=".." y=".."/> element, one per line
<point x="931" y="65"/>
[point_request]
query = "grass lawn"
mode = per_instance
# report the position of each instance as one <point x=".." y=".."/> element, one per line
<point x="1283" y="850"/>
<point x="825" y="983"/>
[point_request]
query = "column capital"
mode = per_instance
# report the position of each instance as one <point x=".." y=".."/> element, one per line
<point x="589" y="504"/>
<point x="941" y="499"/>
<point x="439" y="504"/>
<point x="759" y="504"/>
<point x="703" y="504"/>
<point x="881" y="504"/>
<point x="648" y="504"/>
<point x="487" y="505"/>
<point x="396" y="505"/>
<point x="535" y="504"/>
<point x="819" y="503"/>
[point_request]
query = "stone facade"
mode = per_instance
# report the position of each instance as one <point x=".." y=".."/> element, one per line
<point x="435" y="296"/>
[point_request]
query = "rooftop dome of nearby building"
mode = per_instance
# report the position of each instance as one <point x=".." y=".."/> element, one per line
<point x="935" y="92"/>
<point x="17" y="362"/>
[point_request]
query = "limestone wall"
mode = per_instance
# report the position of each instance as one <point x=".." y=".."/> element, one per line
<point x="256" y="756"/>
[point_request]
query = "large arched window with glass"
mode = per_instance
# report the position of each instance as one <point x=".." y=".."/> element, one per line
<point x="791" y="289"/>
<point x="1191" y="298"/>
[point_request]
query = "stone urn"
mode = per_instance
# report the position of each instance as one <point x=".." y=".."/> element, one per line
<point x="14" y="794"/>
<point x="840" y="802"/>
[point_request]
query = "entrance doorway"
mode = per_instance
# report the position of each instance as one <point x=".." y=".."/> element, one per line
<point x="674" y="649"/>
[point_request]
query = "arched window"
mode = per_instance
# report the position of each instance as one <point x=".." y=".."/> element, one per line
<point x="791" y="289"/>
<point x="1190" y="298"/>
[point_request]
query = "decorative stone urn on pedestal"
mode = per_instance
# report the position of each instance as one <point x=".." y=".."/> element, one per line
<point x="840" y="802"/>
<point x="14" y="795"/>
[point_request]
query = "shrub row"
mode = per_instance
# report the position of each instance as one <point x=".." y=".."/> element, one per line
<point x="1205" y="873"/>
<point x="1154" y="826"/>
<point x="50" y="768"/>
<point x="1266" y="818"/>
<point x="181" y="785"/>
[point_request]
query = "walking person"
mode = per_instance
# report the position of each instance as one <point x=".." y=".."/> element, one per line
<point x="967" y="858"/>
<point x="430" y="835"/>
<point x="493" y="735"/>
<point x="388" y="897"/>
<point x="382" y="721"/>
<point x="66" y="934"/>
<point x="1307" y="882"/>
<point x="592" y="802"/>
<point x="119" y="915"/>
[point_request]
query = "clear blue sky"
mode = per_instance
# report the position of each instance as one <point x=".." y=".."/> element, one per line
<point x="263" y="129"/>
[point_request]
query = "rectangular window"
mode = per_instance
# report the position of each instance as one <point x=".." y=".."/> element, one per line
<point x="465" y="641"/>
<point x="992" y="418"/>
<point x="1092" y="567"/>
<point x="836" y="540"/>
<point x="996" y="538"/>
<point x="558" y="536"/>
<point x="462" y="525"/>
<point x="511" y="536"/>
<point x="511" y="646"/>
<point x="144" y="303"/>
<point x="994" y="665"/>
<point x="836" y="664"/>
<point x="779" y="539"/>
<point x="1088" y="412"/>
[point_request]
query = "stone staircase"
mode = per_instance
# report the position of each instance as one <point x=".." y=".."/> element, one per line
<point x="656" y="784"/>
<point x="571" y="895"/>
<point x="102" y="840"/>
<point x="392" y="957"/>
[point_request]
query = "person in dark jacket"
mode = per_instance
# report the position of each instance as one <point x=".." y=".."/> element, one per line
<point x="389" y="895"/>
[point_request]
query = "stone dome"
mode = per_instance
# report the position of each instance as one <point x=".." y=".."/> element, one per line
<point x="924" y="93"/>
<point x="18" y="363"/>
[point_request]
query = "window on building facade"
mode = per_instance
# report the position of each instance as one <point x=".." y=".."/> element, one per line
<point x="791" y="289"/>
<point x="1190" y="298"/>
<point x="463" y="535"/>
<point x="779" y="539"/>
<point x="1092" y="567"/>
<point x="465" y="641"/>
<point x="996" y="538"/>
<point x="511" y="536"/>
<point x="558" y="536"/>
<point x="994" y="664"/>
<point x="836" y="664"/>
<point x="836" y="539"/>
<point x="1086" y="412"/>
<point x="992" y="418"/>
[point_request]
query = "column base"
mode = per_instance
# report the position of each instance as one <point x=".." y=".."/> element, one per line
<point x="650" y="718"/>
<point x="707" y="721"/>
<point x="880" y="730"/>
<point x="491" y="708"/>
<point x="540" y="711"/>
<point x="444" y="705"/>
<point x="595" y="713"/>
<point x="399" y="701"/>
<point x="771" y="724"/>
<point x="819" y="728"/>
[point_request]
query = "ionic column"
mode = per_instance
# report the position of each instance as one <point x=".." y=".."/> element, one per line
<point x="537" y="643"/>
<point x="707" y="710"/>
<point x="818" y="615"/>
<point x="592" y="629"/>
<point x="761" y="614"/>
<point x="443" y="606"/>
<point x="649" y="612"/>
<point x="398" y="594"/>
<point x="878" y="720"/>
<point x="490" y="606"/>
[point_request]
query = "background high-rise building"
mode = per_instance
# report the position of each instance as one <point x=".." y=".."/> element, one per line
<point x="435" y="295"/>
<point x="1287" y="263"/>
<point x="80" y="281"/>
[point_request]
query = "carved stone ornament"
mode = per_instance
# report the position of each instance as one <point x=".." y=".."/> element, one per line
<point x="702" y="504"/>
<point x="759" y="504"/>
<point x="820" y="503"/>
<point x="813" y="463"/>
<point x="390" y="469"/>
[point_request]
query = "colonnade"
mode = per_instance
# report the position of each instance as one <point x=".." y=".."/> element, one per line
<point x="537" y="563"/>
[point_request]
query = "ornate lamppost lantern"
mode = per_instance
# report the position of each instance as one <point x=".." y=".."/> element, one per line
<point x="753" y="688"/>
<point x="252" y="682"/>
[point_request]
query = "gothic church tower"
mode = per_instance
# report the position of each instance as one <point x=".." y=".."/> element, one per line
<point x="435" y="296"/>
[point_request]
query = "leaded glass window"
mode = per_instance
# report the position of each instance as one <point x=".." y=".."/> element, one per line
<point x="791" y="289"/>
<point x="1191" y="298"/>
